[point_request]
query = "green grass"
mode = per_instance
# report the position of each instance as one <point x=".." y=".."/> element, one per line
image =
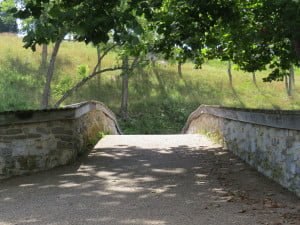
<point x="159" y="100"/>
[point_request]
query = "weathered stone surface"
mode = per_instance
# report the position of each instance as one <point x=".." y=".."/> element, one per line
<point x="42" y="130"/>
<point x="40" y="144"/>
<point x="13" y="137"/>
<point x="34" y="135"/>
<point x="64" y="145"/>
<point x="62" y="130"/>
<point x="273" y="151"/>
<point x="66" y="138"/>
<point x="13" y="131"/>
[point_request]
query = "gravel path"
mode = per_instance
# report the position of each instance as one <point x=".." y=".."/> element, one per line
<point x="149" y="180"/>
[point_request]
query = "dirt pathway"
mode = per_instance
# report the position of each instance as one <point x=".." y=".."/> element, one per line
<point x="149" y="180"/>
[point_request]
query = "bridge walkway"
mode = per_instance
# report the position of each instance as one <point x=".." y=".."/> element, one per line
<point x="149" y="180"/>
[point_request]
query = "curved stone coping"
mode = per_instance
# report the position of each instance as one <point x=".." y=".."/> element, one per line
<point x="68" y="112"/>
<point x="283" y="119"/>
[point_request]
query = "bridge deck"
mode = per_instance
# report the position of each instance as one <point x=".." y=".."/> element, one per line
<point x="149" y="180"/>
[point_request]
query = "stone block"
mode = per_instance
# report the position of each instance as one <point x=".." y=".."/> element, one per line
<point x="64" y="145"/>
<point x="42" y="130"/>
<point x="61" y="130"/>
<point x="13" y="131"/>
<point x="38" y="145"/>
<point x="30" y="135"/>
<point x="13" y="137"/>
<point x="5" y="152"/>
<point x="289" y="141"/>
<point x="66" y="138"/>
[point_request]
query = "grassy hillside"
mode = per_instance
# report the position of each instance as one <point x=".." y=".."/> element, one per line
<point x="160" y="101"/>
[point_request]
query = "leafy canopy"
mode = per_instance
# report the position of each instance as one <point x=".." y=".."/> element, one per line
<point x="254" y="34"/>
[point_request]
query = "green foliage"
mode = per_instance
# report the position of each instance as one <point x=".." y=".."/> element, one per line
<point x="14" y="92"/>
<point x="253" y="34"/>
<point x="7" y="22"/>
<point x="63" y="85"/>
<point x="82" y="71"/>
<point x="155" y="105"/>
<point x="100" y="135"/>
<point x="89" y="21"/>
<point x="160" y="117"/>
<point x="8" y="27"/>
<point x="215" y="136"/>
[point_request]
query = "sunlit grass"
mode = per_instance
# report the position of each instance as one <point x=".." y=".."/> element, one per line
<point x="159" y="100"/>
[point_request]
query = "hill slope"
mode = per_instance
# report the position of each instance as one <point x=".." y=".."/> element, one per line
<point x="159" y="100"/>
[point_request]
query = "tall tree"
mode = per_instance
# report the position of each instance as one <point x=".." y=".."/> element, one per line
<point x="125" y="81"/>
<point x="7" y="22"/>
<point x="254" y="34"/>
<point x="49" y="75"/>
<point x="54" y="19"/>
<point x="44" y="57"/>
<point x="229" y="73"/>
<point x="254" y="78"/>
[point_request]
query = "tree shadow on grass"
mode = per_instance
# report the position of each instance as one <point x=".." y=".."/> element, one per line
<point x="159" y="100"/>
<point x="275" y="106"/>
<point x="236" y="96"/>
<point x="21" y="66"/>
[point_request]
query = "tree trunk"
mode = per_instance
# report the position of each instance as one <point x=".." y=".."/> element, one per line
<point x="292" y="74"/>
<point x="153" y="62"/>
<point x="49" y="76"/>
<point x="229" y="73"/>
<point x="125" y="81"/>
<point x="99" y="58"/>
<point x="290" y="81"/>
<point x="180" y="69"/>
<point x="254" y="78"/>
<point x="98" y="69"/>
<point x="286" y="82"/>
<point x="44" y="56"/>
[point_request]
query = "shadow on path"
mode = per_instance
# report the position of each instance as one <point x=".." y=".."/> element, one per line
<point x="149" y="180"/>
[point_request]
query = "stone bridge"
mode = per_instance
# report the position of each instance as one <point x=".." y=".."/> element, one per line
<point x="32" y="141"/>
<point x="149" y="179"/>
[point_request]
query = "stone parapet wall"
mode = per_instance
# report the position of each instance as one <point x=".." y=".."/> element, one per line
<point x="268" y="140"/>
<point x="32" y="141"/>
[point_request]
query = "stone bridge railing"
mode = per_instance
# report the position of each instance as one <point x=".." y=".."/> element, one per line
<point x="32" y="141"/>
<point x="269" y="140"/>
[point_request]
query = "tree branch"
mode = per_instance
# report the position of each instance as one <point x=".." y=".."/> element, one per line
<point x="135" y="62"/>
<point x="102" y="56"/>
<point x="106" y="51"/>
<point x="82" y="82"/>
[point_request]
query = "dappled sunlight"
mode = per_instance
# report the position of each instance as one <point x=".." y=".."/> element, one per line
<point x="114" y="156"/>
<point x="78" y="173"/>
<point x="27" y="185"/>
<point x="221" y="153"/>
<point x="126" y="183"/>
<point x="200" y="183"/>
<point x="69" y="185"/>
<point x="47" y="186"/>
<point x="143" y="222"/>
<point x="201" y="175"/>
<point x="7" y="200"/>
<point x="170" y="171"/>
<point x="165" y="151"/>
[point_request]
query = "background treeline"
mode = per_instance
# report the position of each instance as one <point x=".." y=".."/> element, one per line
<point x="139" y="57"/>
<point x="159" y="99"/>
